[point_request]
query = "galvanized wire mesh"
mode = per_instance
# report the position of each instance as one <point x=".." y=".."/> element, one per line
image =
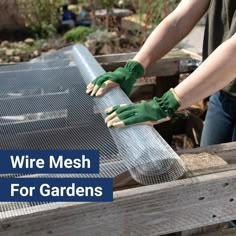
<point x="44" y="107"/>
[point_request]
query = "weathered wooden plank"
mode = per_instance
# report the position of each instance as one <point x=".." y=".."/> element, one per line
<point x="162" y="68"/>
<point x="211" y="170"/>
<point x="191" y="232"/>
<point x="102" y="59"/>
<point x="182" y="201"/>
<point x="192" y="54"/>
<point x="202" y="161"/>
<point x="225" y="232"/>
<point x="205" y="230"/>
<point x="196" y="165"/>
<point x="149" y="210"/>
<point x="227" y="151"/>
<point x="174" y="63"/>
<point x="174" y="53"/>
<point x="124" y="181"/>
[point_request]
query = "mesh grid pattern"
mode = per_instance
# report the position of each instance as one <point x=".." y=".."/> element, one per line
<point x="44" y="107"/>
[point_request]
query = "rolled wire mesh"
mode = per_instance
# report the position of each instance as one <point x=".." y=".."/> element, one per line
<point x="44" y="107"/>
<point x="148" y="157"/>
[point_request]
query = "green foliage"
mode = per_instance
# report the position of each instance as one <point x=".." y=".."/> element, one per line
<point x="35" y="46"/>
<point x="78" y="34"/>
<point x="106" y="3"/>
<point x="151" y="12"/>
<point x="100" y="35"/>
<point x="41" y="16"/>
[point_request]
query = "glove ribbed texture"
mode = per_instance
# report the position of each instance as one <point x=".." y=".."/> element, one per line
<point x="168" y="103"/>
<point x="135" y="68"/>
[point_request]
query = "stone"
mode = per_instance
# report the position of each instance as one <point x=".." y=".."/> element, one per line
<point x="5" y="43"/>
<point x="35" y="53"/>
<point x="25" y="56"/>
<point x="17" y="52"/>
<point x="116" y="42"/>
<point x="3" y="52"/>
<point x="58" y="43"/>
<point x="91" y="45"/>
<point x="13" y="45"/>
<point x="16" y="59"/>
<point x="52" y="51"/>
<point x="112" y="35"/>
<point x="106" y="49"/>
<point x="9" y="52"/>
<point x="21" y="45"/>
<point x="44" y="46"/>
<point x="29" y="41"/>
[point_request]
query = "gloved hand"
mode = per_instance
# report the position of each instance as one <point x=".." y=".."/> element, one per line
<point x="124" y="77"/>
<point x="154" y="112"/>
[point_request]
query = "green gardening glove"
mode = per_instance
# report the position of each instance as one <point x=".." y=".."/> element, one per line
<point x="154" y="112"/>
<point x="124" y="77"/>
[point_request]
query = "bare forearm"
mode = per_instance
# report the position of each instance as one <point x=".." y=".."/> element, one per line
<point x="171" y="31"/>
<point x="160" y="42"/>
<point x="215" y="73"/>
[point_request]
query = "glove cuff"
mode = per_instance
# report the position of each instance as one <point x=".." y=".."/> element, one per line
<point x="177" y="98"/>
<point x="169" y="103"/>
<point x="135" y="68"/>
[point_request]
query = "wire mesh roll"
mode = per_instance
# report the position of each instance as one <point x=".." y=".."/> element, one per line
<point x="65" y="74"/>
<point x="44" y="106"/>
<point x="147" y="156"/>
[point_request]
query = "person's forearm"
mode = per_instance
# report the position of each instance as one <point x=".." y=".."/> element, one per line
<point x="171" y="31"/>
<point x="160" y="42"/>
<point x="218" y="70"/>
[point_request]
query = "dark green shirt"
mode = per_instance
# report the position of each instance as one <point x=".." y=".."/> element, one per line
<point x="220" y="26"/>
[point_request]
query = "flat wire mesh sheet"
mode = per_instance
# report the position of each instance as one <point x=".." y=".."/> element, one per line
<point x="44" y="107"/>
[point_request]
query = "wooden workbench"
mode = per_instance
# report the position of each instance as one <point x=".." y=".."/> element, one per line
<point x="204" y="197"/>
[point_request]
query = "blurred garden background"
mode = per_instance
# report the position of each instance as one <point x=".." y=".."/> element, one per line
<point x="29" y="28"/>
